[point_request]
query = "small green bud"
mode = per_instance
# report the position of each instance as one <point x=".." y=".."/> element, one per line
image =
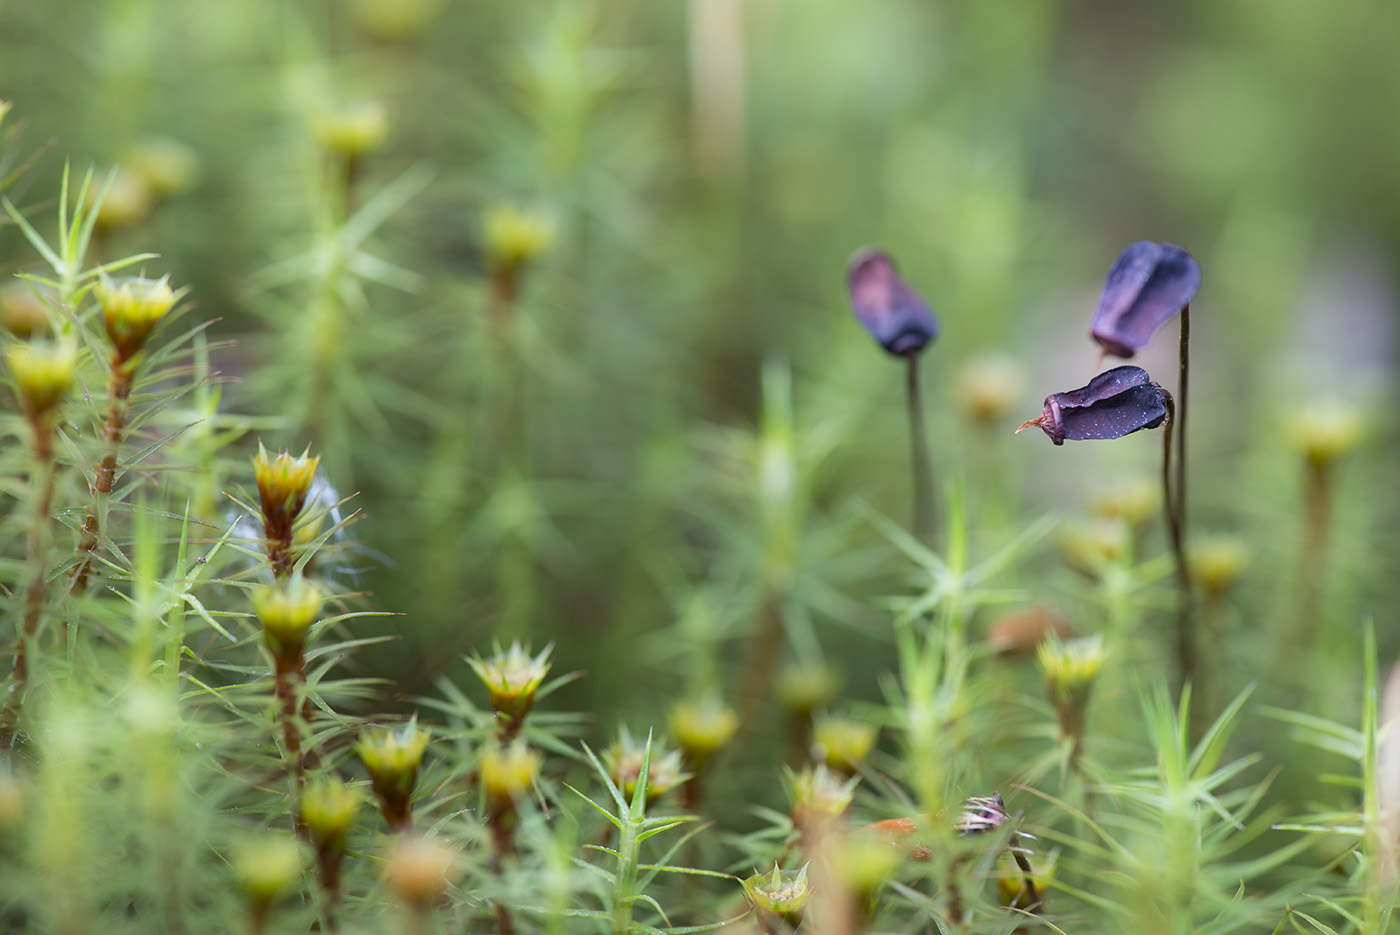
<point x="702" y="727"/>
<point x="867" y="859"/>
<point x="43" y="372"/>
<point x="420" y="871"/>
<point x="1133" y="500"/>
<point x="1217" y="563"/>
<point x="512" y="676"/>
<point x="392" y="758"/>
<point x="128" y="200"/>
<point x="1095" y="546"/>
<point x="266" y="868"/>
<point x="1070" y="668"/>
<point x="842" y="743"/>
<point x="779" y="895"/>
<point x="168" y="167"/>
<point x="806" y="687"/>
<point x="22" y="313"/>
<point x="131" y="307"/>
<point x="988" y="388"/>
<point x="353" y="129"/>
<point x="393" y="20"/>
<point x="328" y="811"/>
<point x="818" y="796"/>
<point x="515" y="236"/>
<point x="623" y="761"/>
<point x="287" y="610"/>
<point x="1326" y="432"/>
<point x="508" y="773"/>
<point x="284" y="482"/>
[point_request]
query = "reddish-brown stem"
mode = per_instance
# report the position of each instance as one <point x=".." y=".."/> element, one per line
<point x="37" y="589"/>
<point x="763" y="659"/>
<point x="113" y="433"/>
<point x="290" y="674"/>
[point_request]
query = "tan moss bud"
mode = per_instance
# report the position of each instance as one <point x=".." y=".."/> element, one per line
<point x="420" y="871"/>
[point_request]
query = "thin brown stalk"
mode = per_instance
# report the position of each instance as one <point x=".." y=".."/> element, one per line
<point x="113" y="433"/>
<point x="37" y="590"/>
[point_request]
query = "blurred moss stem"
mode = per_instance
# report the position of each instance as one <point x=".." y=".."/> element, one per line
<point x="925" y="518"/>
<point x="717" y="87"/>
<point x="45" y="471"/>
<point x="1312" y="559"/>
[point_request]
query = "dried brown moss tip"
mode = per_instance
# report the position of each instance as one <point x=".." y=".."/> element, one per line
<point x="392" y="757"/>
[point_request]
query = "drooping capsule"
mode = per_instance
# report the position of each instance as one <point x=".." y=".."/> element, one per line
<point x="1115" y="403"/>
<point x="1147" y="286"/>
<point x="885" y="305"/>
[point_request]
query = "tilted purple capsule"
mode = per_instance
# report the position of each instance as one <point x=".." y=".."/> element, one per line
<point x="1115" y="403"/>
<point x="1148" y="284"/>
<point x="885" y="306"/>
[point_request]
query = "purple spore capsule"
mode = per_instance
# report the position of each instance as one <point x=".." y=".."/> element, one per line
<point x="885" y="305"/>
<point x="1117" y="402"/>
<point x="1148" y="284"/>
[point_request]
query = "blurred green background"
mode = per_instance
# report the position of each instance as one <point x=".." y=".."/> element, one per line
<point x="708" y="167"/>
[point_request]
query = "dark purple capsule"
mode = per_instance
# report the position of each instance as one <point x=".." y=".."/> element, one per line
<point x="1117" y="402"/>
<point x="885" y="306"/>
<point x="1148" y="284"/>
